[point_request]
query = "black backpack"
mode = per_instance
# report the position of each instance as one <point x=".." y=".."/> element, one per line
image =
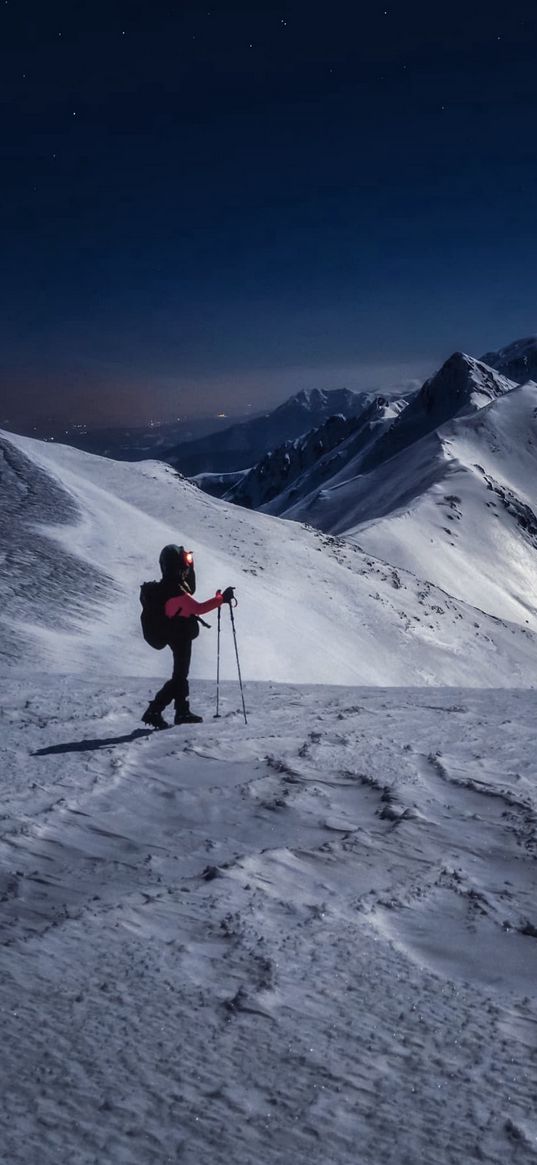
<point x="155" y="625"/>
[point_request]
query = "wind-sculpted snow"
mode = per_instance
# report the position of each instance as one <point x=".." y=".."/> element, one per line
<point x="41" y="585"/>
<point x="308" y="940"/>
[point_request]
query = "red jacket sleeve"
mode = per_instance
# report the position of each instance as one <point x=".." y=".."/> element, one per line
<point x="185" y="605"/>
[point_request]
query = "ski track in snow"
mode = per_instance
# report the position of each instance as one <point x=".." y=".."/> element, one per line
<point x="309" y="939"/>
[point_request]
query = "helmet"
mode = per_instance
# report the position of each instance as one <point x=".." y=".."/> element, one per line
<point x="175" y="560"/>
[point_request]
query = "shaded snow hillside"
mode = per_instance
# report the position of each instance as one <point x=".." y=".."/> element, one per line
<point x="518" y="361"/>
<point x="241" y="446"/>
<point x="458" y="507"/>
<point x="79" y="534"/>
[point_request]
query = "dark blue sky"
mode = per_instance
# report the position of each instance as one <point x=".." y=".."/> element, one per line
<point x="206" y="206"/>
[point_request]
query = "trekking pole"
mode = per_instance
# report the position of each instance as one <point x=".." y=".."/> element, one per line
<point x="217" y="713"/>
<point x="237" y="658"/>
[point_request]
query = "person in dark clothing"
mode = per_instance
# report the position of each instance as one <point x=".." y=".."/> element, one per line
<point x="182" y="611"/>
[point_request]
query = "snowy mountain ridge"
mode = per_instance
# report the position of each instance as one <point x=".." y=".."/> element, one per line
<point x="463" y="385"/>
<point x="458" y="506"/>
<point x="287" y="480"/>
<point x="296" y="467"/>
<point x="446" y="489"/>
<point x="81" y="533"/>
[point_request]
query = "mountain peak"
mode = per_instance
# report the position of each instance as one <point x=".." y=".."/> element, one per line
<point x="308" y="398"/>
<point x="311" y="400"/>
<point x="461" y="384"/>
<point x="460" y="387"/>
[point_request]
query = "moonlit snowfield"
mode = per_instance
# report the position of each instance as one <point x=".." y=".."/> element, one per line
<point x="312" y="938"/>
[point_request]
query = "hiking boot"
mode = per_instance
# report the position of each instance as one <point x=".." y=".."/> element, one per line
<point x="153" y="716"/>
<point x="187" y="717"/>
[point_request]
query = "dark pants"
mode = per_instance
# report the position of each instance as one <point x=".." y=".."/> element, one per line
<point x="177" y="688"/>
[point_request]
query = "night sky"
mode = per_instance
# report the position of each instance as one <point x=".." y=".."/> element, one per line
<point x="209" y="207"/>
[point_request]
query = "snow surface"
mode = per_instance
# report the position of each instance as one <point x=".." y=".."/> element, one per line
<point x="310" y="939"/>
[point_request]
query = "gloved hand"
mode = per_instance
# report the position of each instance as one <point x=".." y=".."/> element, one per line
<point x="228" y="595"/>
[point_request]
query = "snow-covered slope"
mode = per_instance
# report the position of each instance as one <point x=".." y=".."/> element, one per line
<point x="242" y="445"/>
<point x="459" y="507"/>
<point x="518" y="361"/>
<point x="80" y="533"/>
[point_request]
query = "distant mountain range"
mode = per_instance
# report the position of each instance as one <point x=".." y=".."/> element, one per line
<point x="240" y="446"/>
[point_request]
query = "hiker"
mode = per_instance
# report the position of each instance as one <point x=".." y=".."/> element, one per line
<point x="170" y="605"/>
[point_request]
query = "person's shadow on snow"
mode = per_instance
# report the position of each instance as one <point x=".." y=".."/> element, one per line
<point x="89" y="745"/>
